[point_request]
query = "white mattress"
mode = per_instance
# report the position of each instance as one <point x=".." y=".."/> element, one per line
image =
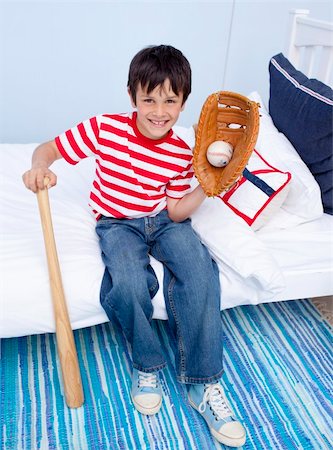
<point x="254" y="267"/>
<point x="305" y="254"/>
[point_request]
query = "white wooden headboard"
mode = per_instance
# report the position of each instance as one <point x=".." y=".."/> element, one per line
<point x="310" y="46"/>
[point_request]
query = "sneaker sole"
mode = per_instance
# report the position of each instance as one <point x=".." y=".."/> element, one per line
<point x="220" y="437"/>
<point x="147" y="411"/>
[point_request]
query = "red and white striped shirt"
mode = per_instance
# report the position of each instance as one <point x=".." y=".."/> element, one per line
<point x="134" y="174"/>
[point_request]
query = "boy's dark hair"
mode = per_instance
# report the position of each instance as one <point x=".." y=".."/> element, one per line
<point x="152" y="65"/>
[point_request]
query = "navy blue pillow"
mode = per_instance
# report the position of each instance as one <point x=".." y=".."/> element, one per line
<point x="302" y="109"/>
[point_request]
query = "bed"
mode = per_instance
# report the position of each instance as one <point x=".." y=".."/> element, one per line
<point x="267" y="248"/>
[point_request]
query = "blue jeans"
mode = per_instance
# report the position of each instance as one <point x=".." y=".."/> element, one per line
<point x="191" y="292"/>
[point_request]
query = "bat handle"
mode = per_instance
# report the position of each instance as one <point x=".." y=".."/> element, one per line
<point x="64" y="333"/>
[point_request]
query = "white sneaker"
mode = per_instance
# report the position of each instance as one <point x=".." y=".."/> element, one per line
<point x="211" y="402"/>
<point x="146" y="392"/>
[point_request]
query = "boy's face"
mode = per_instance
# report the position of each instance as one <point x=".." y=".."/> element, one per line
<point x="157" y="111"/>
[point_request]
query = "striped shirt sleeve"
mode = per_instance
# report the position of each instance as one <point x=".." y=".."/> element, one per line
<point x="181" y="185"/>
<point x="80" y="141"/>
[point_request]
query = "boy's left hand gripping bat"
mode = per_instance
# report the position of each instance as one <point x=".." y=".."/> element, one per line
<point x="64" y="333"/>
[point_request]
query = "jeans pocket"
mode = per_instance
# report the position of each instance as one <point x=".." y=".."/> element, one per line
<point x="106" y="220"/>
<point x="104" y="224"/>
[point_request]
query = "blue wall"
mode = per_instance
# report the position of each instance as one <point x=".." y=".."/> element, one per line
<point x="62" y="62"/>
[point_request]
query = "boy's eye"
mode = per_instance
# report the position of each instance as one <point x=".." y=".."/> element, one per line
<point x="171" y="101"/>
<point x="148" y="100"/>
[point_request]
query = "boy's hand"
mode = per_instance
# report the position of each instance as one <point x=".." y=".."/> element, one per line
<point x="43" y="156"/>
<point x="34" y="178"/>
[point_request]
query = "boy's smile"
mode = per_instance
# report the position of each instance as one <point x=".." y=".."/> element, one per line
<point x="157" y="111"/>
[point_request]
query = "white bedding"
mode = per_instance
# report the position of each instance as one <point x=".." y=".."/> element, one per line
<point x="255" y="267"/>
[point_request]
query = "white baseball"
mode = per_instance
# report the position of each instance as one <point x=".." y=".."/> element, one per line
<point x="219" y="153"/>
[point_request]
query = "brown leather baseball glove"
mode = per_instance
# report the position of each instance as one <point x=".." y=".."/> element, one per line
<point x="225" y="116"/>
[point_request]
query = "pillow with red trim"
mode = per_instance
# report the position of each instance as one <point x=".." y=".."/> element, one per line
<point x="259" y="192"/>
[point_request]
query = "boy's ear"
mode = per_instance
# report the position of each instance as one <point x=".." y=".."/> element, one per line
<point x="133" y="103"/>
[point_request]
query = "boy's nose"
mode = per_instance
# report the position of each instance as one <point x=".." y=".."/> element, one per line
<point x="159" y="110"/>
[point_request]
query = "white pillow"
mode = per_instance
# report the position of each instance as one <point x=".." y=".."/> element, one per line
<point x="303" y="202"/>
<point x="259" y="192"/>
<point x="237" y="249"/>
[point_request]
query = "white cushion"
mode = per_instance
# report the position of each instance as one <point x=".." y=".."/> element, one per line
<point x="249" y="270"/>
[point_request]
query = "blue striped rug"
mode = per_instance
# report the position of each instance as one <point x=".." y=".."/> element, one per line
<point x="278" y="361"/>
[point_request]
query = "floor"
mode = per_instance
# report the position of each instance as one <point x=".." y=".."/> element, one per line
<point x="325" y="307"/>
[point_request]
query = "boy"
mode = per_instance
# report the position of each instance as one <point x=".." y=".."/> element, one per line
<point x="142" y="202"/>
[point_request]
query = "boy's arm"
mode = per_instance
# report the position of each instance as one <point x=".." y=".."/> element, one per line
<point x="181" y="209"/>
<point x="43" y="156"/>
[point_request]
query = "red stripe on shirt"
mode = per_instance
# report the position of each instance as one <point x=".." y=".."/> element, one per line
<point x="121" y="176"/>
<point x="118" y="117"/>
<point x="157" y="149"/>
<point x="128" y="191"/>
<point x="113" y="145"/>
<point x="63" y="152"/>
<point x="188" y="175"/>
<point x="178" y="188"/>
<point x="94" y="126"/>
<point x="151" y="175"/>
<point x="114" y="160"/>
<point x="123" y="203"/>
<point x="116" y="174"/>
<point x="114" y="130"/>
<point x="178" y="142"/>
<point x="74" y="145"/>
<point x="106" y="207"/>
<point x="156" y="162"/>
<point x="85" y="137"/>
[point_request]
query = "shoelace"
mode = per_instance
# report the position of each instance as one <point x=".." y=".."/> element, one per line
<point x="147" y="380"/>
<point x="214" y="395"/>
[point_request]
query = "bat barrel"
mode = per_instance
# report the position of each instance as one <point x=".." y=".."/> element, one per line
<point x="64" y="333"/>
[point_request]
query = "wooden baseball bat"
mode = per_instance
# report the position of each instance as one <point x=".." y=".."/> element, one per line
<point x="64" y="333"/>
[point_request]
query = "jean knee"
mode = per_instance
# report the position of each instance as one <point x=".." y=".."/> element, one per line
<point x="131" y="294"/>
